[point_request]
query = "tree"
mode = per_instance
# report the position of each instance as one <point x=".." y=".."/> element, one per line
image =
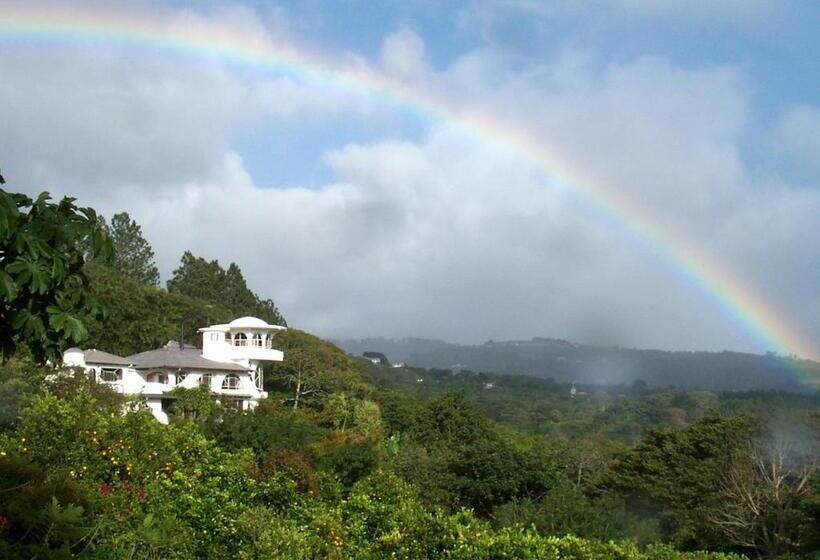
<point x="761" y="495"/>
<point x="303" y="374"/>
<point x="368" y="419"/>
<point x="312" y="370"/>
<point x="207" y="280"/>
<point x="44" y="297"/>
<point x="195" y="403"/>
<point x="682" y="471"/>
<point x="141" y="317"/>
<point x="133" y="255"/>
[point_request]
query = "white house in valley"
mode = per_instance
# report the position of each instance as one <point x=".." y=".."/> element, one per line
<point x="229" y="363"/>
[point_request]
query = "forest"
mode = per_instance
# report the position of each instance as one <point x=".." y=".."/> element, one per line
<point x="566" y="361"/>
<point x="355" y="460"/>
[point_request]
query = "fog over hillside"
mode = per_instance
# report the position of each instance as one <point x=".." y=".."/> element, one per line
<point x="566" y="361"/>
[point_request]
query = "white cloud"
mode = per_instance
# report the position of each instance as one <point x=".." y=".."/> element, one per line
<point x="76" y="118"/>
<point x="403" y="55"/>
<point x="442" y="236"/>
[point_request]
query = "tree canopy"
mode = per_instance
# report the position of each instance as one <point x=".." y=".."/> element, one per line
<point x="44" y="297"/>
<point x="141" y="317"/>
<point x="207" y="280"/>
<point x="133" y="255"/>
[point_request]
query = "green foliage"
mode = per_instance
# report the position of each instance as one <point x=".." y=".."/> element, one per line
<point x="196" y="403"/>
<point x="20" y="379"/>
<point x="81" y="478"/>
<point x="44" y="297"/>
<point x="267" y="427"/>
<point x="459" y="460"/>
<point x="682" y="471"/>
<point x="348" y="458"/>
<point x="133" y="255"/>
<point x="141" y="317"/>
<point x="566" y="362"/>
<point x="565" y="508"/>
<point x="200" y="279"/>
<point x="312" y="370"/>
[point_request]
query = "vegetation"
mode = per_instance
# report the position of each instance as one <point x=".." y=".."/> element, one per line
<point x="44" y="297"/>
<point x="346" y="459"/>
<point x="200" y="279"/>
<point x="81" y="478"/>
<point x="141" y="317"/>
<point x="133" y="256"/>
<point x="617" y="414"/>
<point x="567" y="362"/>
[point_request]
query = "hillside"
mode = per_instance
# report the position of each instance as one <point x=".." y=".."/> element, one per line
<point x="620" y="414"/>
<point x="567" y="362"/>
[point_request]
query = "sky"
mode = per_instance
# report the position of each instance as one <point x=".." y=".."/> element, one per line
<point x="364" y="217"/>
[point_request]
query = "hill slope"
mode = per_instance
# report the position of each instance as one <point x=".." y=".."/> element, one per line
<point x="568" y="362"/>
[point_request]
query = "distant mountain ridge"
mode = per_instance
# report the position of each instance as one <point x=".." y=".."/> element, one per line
<point x="567" y="361"/>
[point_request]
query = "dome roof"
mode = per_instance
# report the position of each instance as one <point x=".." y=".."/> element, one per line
<point x="249" y="323"/>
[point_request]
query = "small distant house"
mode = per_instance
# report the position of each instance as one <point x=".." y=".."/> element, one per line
<point x="229" y="364"/>
<point x="376" y="358"/>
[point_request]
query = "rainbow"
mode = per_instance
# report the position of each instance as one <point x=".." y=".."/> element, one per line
<point x="197" y="36"/>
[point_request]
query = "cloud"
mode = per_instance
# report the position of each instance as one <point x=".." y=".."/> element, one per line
<point x="76" y="118"/>
<point x="441" y="235"/>
<point x="796" y="135"/>
<point x="403" y="55"/>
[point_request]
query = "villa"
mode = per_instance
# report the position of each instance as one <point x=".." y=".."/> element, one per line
<point x="229" y="363"/>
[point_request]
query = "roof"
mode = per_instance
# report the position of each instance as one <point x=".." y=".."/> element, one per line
<point x="250" y="322"/>
<point x="176" y="357"/>
<point x="99" y="357"/>
<point x="244" y="323"/>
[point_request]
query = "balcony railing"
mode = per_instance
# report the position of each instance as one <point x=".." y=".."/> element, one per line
<point x="252" y="343"/>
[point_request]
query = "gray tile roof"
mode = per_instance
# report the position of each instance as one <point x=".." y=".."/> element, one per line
<point x="104" y="358"/>
<point x="172" y="356"/>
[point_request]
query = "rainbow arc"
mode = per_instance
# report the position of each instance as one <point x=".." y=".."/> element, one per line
<point x="200" y="38"/>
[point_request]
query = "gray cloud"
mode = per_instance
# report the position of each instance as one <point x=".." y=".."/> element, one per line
<point x="442" y="236"/>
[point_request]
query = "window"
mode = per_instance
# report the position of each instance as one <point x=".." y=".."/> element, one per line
<point x="257" y="340"/>
<point x="240" y="339"/>
<point x="157" y="377"/>
<point x="214" y="336"/>
<point x="231" y="382"/>
<point x="228" y="338"/>
<point x="111" y="374"/>
<point x="205" y="379"/>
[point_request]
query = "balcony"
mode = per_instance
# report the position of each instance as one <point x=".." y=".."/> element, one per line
<point x="244" y="348"/>
<point x="253" y="343"/>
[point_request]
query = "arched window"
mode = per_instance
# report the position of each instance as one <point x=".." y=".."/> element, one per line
<point x="240" y="339"/>
<point x="257" y="340"/>
<point x="231" y="382"/>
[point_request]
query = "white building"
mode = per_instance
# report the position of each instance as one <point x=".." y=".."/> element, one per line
<point x="229" y="363"/>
